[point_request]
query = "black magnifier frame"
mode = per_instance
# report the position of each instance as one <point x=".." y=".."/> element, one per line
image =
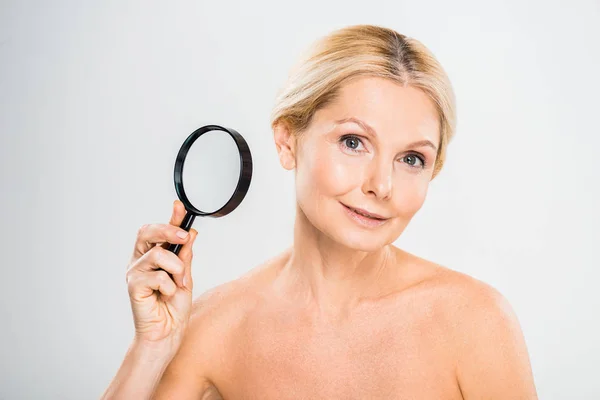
<point x="238" y="194"/>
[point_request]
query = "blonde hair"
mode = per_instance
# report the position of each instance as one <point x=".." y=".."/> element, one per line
<point x="367" y="50"/>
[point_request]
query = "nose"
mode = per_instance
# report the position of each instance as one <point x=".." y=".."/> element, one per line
<point x="379" y="180"/>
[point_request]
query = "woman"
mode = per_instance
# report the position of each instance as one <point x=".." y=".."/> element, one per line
<point x="364" y="121"/>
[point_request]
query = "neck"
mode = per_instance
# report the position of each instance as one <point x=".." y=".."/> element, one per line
<point x="328" y="277"/>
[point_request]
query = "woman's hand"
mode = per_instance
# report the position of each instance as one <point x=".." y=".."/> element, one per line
<point x="161" y="305"/>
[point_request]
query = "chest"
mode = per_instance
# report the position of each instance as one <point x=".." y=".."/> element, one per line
<point x="375" y="356"/>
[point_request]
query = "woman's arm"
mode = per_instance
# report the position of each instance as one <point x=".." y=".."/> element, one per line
<point x="150" y="372"/>
<point x="139" y="373"/>
<point x="155" y="372"/>
<point x="493" y="362"/>
<point x="188" y="374"/>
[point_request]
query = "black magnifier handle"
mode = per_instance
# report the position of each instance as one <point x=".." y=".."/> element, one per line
<point x="186" y="224"/>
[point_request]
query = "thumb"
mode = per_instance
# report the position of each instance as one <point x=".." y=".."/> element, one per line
<point x="186" y="255"/>
<point x="178" y="213"/>
<point x="177" y="216"/>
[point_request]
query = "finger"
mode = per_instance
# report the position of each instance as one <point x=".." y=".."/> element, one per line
<point x="177" y="216"/>
<point x="186" y="255"/>
<point x="159" y="258"/>
<point x="150" y="235"/>
<point x="143" y="286"/>
<point x="178" y="213"/>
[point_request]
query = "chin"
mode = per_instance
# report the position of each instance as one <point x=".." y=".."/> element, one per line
<point x="348" y="233"/>
<point x="367" y="243"/>
<point x="360" y="240"/>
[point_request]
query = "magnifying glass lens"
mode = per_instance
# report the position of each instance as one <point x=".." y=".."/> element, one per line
<point x="212" y="174"/>
<point x="211" y="171"/>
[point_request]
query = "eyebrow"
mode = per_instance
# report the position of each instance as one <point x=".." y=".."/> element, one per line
<point x="366" y="127"/>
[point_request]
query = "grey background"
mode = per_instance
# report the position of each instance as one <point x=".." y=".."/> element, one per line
<point x="96" y="98"/>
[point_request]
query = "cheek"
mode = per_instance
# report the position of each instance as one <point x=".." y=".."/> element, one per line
<point x="323" y="173"/>
<point x="409" y="195"/>
<point x="332" y="177"/>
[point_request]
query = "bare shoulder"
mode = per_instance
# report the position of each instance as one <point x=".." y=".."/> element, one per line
<point x="470" y="293"/>
<point x="219" y="311"/>
<point x="211" y="337"/>
<point x="477" y="306"/>
<point x="490" y="354"/>
<point x="464" y="307"/>
<point x="463" y="298"/>
<point x="232" y="300"/>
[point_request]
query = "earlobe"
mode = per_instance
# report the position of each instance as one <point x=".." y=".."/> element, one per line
<point x="284" y="142"/>
<point x="287" y="162"/>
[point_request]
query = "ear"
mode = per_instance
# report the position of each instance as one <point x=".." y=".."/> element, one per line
<point x="285" y="142"/>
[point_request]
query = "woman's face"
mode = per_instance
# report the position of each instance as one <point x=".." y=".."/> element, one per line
<point x="372" y="148"/>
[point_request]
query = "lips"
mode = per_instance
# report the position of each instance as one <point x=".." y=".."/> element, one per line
<point x="365" y="213"/>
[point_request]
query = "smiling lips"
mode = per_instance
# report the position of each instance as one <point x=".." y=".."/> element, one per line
<point x="364" y="217"/>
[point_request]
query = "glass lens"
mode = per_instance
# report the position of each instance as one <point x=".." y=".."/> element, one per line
<point x="211" y="170"/>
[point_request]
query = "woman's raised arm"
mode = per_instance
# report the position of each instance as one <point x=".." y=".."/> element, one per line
<point x="160" y="291"/>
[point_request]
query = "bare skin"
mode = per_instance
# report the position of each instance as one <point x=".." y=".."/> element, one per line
<point x="433" y="333"/>
<point x="343" y="313"/>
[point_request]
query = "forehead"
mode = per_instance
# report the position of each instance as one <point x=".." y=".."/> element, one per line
<point x="388" y="107"/>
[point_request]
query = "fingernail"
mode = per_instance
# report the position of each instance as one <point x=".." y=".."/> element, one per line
<point x="182" y="234"/>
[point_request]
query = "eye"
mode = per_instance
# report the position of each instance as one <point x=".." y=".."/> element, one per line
<point x="351" y="143"/>
<point x="414" y="160"/>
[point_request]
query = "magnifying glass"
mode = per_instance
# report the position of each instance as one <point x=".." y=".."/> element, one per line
<point x="217" y="174"/>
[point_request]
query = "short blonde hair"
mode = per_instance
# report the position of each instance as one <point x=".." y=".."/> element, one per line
<point x="367" y="50"/>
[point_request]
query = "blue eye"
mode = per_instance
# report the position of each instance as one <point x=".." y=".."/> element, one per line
<point x="351" y="142"/>
<point x="413" y="160"/>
